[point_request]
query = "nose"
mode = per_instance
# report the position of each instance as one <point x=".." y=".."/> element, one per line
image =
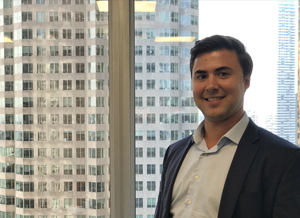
<point x="212" y="84"/>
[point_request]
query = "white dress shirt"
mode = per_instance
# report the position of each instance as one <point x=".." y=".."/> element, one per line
<point x="200" y="181"/>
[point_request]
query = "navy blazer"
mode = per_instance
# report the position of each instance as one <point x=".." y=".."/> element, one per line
<point x="263" y="180"/>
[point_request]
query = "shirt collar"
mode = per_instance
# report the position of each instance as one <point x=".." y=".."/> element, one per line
<point x="233" y="135"/>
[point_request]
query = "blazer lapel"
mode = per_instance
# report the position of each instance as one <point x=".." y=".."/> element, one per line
<point x="240" y="165"/>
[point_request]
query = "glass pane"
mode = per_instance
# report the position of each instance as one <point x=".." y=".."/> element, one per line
<point x="165" y="108"/>
<point x="50" y="50"/>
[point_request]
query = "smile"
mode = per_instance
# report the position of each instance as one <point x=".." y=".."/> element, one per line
<point x="213" y="99"/>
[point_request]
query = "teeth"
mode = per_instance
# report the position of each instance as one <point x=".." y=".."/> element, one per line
<point x="213" y="99"/>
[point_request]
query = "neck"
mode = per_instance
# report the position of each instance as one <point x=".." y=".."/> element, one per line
<point x="215" y="130"/>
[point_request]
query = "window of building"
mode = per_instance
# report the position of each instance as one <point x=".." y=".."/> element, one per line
<point x="67" y="118"/>
<point x="138" y="152"/>
<point x="151" y="101"/>
<point x="81" y="204"/>
<point x="151" y="202"/>
<point x="79" y="16"/>
<point x="80" y="101"/>
<point x="139" y="202"/>
<point x="40" y="16"/>
<point x="68" y="170"/>
<point x="67" y="34"/>
<point x="67" y="101"/>
<point x="41" y="50"/>
<point x="42" y="152"/>
<point x="55" y="153"/>
<point x="79" y="33"/>
<point x="67" y="51"/>
<point x="26" y="16"/>
<point x="54" y="51"/>
<point x="151" y="185"/>
<point x="67" y="152"/>
<point x="80" y="67"/>
<point x="80" y="186"/>
<point x="68" y="186"/>
<point x="8" y="19"/>
<point x="80" y="169"/>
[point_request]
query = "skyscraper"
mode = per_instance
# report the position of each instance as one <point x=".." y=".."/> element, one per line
<point x="165" y="109"/>
<point x="54" y="131"/>
<point x="286" y="119"/>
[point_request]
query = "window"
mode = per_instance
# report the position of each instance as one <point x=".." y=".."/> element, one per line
<point x="54" y="84"/>
<point x="150" y="168"/>
<point x="151" y="152"/>
<point x="138" y="68"/>
<point x="27" y="85"/>
<point x="26" y="50"/>
<point x="174" y="17"/>
<point x="40" y="2"/>
<point x="55" y="170"/>
<point x="54" y="67"/>
<point x="138" y="118"/>
<point x="67" y="101"/>
<point x="8" y="53"/>
<point x="80" y="152"/>
<point x="67" y="169"/>
<point x="139" y="101"/>
<point x="26" y="33"/>
<point x="67" y="68"/>
<point x="150" y="67"/>
<point x="138" y="50"/>
<point x="41" y="118"/>
<point x="80" y="169"/>
<point x="151" y="202"/>
<point x="55" y="152"/>
<point x="55" y="186"/>
<point x="41" y="51"/>
<point x="42" y="169"/>
<point x="67" y="152"/>
<point x="53" y="16"/>
<point x="80" y="186"/>
<point x="42" y="152"/>
<point x="79" y="50"/>
<point x="54" y="51"/>
<point x="40" y="16"/>
<point x="79" y="34"/>
<point x="67" y="84"/>
<point x="67" y="135"/>
<point x="139" y="169"/>
<point x="79" y="2"/>
<point x="8" y="20"/>
<point x="80" y="85"/>
<point x="138" y="16"/>
<point x="66" y="2"/>
<point x="54" y="101"/>
<point x="67" y="34"/>
<point x="54" y="118"/>
<point x="150" y="52"/>
<point x="55" y="204"/>
<point x="67" y="51"/>
<point x="139" y="202"/>
<point x="80" y="102"/>
<point x="150" y="101"/>
<point x="139" y="185"/>
<point x="138" y="152"/>
<point x="80" y="203"/>
<point x="80" y="118"/>
<point x="68" y="186"/>
<point x="26" y="16"/>
<point x="151" y="186"/>
<point x="79" y="16"/>
<point x="8" y="69"/>
<point x="41" y="34"/>
<point x="41" y="84"/>
<point x="68" y="202"/>
<point x="151" y="135"/>
<point x="79" y="67"/>
<point x="150" y="16"/>
<point x="9" y="86"/>
<point x="42" y="186"/>
<point x="67" y="118"/>
<point x="27" y="102"/>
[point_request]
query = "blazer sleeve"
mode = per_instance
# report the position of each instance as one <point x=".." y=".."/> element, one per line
<point x="287" y="200"/>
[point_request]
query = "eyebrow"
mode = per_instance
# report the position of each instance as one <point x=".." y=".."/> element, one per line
<point x="216" y="70"/>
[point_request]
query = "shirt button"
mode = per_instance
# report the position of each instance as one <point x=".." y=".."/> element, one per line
<point x="189" y="202"/>
<point x="196" y="177"/>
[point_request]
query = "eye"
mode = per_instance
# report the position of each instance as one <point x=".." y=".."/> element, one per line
<point x="223" y="74"/>
<point x="200" y="76"/>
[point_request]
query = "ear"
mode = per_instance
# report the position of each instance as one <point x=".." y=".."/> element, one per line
<point x="247" y="81"/>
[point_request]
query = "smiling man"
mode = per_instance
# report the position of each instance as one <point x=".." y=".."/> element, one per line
<point x="230" y="167"/>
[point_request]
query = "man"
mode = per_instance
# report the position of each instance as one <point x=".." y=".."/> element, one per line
<point x="230" y="167"/>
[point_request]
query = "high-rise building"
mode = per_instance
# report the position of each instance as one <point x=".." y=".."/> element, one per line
<point x="54" y="98"/>
<point x="286" y="118"/>
<point x="165" y="109"/>
<point x="54" y="135"/>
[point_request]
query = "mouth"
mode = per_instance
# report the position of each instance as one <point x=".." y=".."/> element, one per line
<point x="213" y="98"/>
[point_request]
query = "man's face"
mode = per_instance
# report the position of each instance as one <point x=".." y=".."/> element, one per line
<point x="219" y="85"/>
